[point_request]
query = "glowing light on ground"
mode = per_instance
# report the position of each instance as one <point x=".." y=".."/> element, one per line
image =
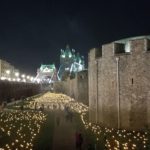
<point x="20" y="128"/>
<point x="115" y="139"/>
<point x="16" y="122"/>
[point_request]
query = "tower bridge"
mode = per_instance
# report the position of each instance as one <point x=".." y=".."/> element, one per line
<point x="70" y="63"/>
<point x="46" y="74"/>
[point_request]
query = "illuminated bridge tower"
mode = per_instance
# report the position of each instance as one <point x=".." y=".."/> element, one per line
<point x="70" y="63"/>
<point x="46" y="74"/>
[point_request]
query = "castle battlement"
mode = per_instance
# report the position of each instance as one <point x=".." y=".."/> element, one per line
<point x="132" y="46"/>
<point x="129" y="46"/>
<point x="95" y="53"/>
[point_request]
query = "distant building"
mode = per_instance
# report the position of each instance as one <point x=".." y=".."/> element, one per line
<point x="7" y="71"/>
<point x="46" y="74"/>
<point x="70" y="63"/>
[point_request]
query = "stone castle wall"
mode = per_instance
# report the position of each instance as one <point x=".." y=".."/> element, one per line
<point x="14" y="90"/>
<point x="119" y="85"/>
<point x="76" y="88"/>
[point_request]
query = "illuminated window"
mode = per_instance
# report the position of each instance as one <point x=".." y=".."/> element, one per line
<point x="127" y="47"/>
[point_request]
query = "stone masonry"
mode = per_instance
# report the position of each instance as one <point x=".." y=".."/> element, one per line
<point x="76" y="88"/>
<point x="119" y="84"/>
<point x="10" y="91"/>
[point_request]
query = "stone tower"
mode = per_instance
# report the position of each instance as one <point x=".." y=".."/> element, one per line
<point x="119" y="83"/>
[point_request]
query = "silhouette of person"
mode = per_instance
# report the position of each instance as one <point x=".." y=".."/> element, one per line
<point x="79" y="141"/>
<point x="58" y="121"/>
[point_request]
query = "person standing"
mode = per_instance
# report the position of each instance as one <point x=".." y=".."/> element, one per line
<point x="58" y="120"/>
<point x="79" y="141"/>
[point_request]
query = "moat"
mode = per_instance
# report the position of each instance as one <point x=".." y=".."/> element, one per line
<point x="51" y="121"/>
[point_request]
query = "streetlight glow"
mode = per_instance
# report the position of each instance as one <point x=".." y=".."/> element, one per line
<point x="8" y="71"/>
<point x="3" y="78"/>
<point x="18" y="79"/>
<point x="17" y="74"/>
<point x="23" y="76"/>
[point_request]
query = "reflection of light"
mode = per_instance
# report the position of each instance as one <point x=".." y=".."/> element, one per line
<point x="13" y="79"/>
<point x="28" y="77"/>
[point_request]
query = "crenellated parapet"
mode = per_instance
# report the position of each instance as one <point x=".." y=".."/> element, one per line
<point x="94" y="54"/>
<point x="132" y="46"/>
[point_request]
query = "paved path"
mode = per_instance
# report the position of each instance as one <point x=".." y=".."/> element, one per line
<point x="64" y="133"/>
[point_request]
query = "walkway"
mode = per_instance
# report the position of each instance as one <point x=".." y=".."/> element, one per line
<point x="64" y="128"/>
<point x="64" y="133"/>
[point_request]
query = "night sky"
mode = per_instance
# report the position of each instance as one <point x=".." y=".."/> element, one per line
<point x="33" y="32"/>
